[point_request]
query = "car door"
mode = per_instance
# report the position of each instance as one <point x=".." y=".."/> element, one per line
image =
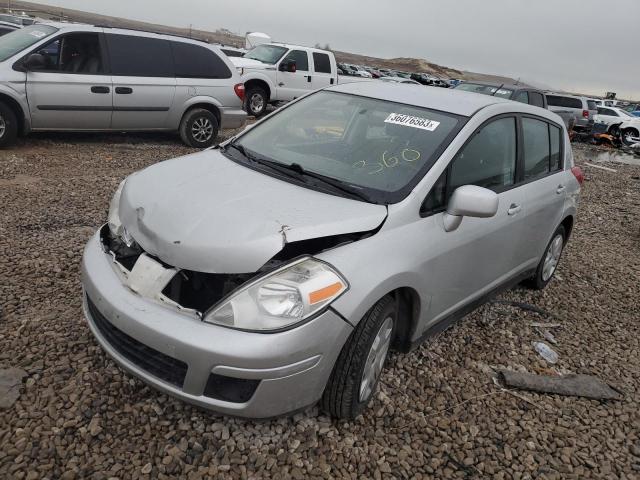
<point x="608" y="116"/>
<point x="323" y="75"/>
<point x="144" y="82"/>
<point x="293" y="84"/>
<point x="463" y="264"/>
<point x="544" y="183"/>
<point x="72" y="89"/>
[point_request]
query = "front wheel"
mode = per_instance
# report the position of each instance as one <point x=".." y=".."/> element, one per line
<point x="199" y="128"/>
<point x="8" y="125"/>
<point x="550" y="260"/>
<point x="256" y="101"/>
<point x="356" y="373"/>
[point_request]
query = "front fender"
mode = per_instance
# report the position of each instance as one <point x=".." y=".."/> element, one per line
<point x="19" y="96"/>
<point x="261" y="76"/>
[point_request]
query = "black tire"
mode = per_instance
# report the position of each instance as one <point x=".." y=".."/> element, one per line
<point x="255" y="102"/>
<point x="629" y="132"/>
<point x="538" y="281"/>
<point x="199" y="128"/>
<point x="8" y="126"/>
<point x="614" y="130"/>
<point x="341" y="396"/>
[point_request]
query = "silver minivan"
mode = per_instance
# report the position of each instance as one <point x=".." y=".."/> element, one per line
<point x="281" y="267"/>
<point x="583" y="109"/>
<point x="64" y="76"/>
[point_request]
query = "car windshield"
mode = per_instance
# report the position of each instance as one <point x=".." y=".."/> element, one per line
<point x="485" y="89"/>
<point x="16" y="41"/>
<point x="266" y="53"/>
<point x="377" y="147"/>
<point x="626" y="114"/>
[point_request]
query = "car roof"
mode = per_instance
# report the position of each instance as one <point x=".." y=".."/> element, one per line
<point x="446" y="100"/>
<point x="510" y="86"/>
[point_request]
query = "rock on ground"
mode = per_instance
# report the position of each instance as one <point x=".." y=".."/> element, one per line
<point x="438" y="413"/>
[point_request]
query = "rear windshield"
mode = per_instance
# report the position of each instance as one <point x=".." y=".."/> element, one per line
<point x="485" y="89"/>
<point x="592" y="105"/>
<point x="377" y="146"/>
<point x="14" y="42"/>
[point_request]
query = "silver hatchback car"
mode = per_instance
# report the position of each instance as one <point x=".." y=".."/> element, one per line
<point x="65" y="76"/>
<point x="279" y="269"/>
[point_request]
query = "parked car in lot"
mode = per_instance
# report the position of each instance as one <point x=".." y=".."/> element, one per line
<point x="582" y="108"/>
<point x="279" y="72"/>
<point x="399" y="80"/>
<point x="620" y="122"/>
<point x="84" y="78"/>
<point x="19" y="20"/>
<point x="7" y="27"/>
<point x="518" y="93"/>
<point x="280" y="268"/>
<point x="232" y="51"/>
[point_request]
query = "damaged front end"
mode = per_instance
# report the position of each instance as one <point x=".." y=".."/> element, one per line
<point x="198" y="293"/>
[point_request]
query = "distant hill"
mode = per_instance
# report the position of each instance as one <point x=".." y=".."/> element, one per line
<point x="226" y="37"/>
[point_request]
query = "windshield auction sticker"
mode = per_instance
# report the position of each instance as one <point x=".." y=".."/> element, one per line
<point x="409" y="121"/>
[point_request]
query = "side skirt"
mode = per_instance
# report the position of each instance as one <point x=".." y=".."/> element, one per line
<point x="452" y="318"/>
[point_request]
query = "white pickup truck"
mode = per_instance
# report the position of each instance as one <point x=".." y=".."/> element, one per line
<point x="278" y="72"/>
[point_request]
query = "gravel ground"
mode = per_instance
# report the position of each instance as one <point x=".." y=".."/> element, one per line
<point x="438" y="413"/>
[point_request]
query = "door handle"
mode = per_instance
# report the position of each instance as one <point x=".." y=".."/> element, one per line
<point x="308" y="78"/>
<point x="560" y="189"/>
<point x="98" y="89"/>
<point x="124" y="90"/>
<point x="281" y="84"/>
<point x="513" y="209"/>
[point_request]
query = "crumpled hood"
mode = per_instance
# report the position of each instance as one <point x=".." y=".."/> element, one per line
<point x="206" y="213"/>
<point x="249" y="63"/>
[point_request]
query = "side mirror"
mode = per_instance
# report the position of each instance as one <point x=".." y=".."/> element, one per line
<point x="469" y="201"/>
<point x="35" y="61"/>
<point x="289" y="66"/>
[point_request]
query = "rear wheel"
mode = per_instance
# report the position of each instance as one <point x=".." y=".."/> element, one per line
<point x="550" y="260"/>
<point x="356" y="373"/>
<point x="8" y="125"/>
<point x="256" y="101"/>
<point x="629" y="136"/>
<point x="199" y="128"/>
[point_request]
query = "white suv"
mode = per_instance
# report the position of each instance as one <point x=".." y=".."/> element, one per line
<point x="61" y="76"/>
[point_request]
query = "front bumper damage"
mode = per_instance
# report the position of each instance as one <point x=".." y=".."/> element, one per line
<point x="234" y="372"/>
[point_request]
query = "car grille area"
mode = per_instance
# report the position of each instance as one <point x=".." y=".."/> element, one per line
<point x="156" y="363"/>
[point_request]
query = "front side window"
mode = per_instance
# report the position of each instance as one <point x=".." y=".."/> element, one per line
<point x="536" y="147"/>
<point x="14" y="42"/>
<point x="321" y="62"/>
<point x="380" y="147"/>
<point x="195" y="61"/>
<point x="489" y="159"/>
<point x="269" y="54"/>
<point x="73" y="53"/>
<point x="140" y="56"/>
<point x="301" y="59"/>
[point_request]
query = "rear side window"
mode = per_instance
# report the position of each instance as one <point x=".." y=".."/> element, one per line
<point x="489" y="159"/>
<point x="567" y="102"/>
<point x="300" y="57"/>
<point x="536" y="147"/>
<point x="536" y="99"/>
<point x="522" y="97"/>
<point x="194" y="61"/>
<point x="321" y="62"/>
<point x="554" y="143"/>
<point x="140" y="56"/>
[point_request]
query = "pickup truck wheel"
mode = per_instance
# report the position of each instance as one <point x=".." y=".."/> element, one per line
<point x="199" y="128"/>
<point x="8" y="126"/>
<point x="356" y="373"/>
<point x="256" y="101"/>
<point x="549" y="262"/>
<point x="628" y="134"/>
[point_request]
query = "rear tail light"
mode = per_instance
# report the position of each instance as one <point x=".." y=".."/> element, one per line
<point x="585" y="113"/>
<point x="577" y="172"/>
<point x="239" y="89"/>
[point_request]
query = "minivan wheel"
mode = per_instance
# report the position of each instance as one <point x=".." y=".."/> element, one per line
<point x="199" y="128"/>
<point x="550" y="260"/>
<point x="8" y="126"/>
<point x="256" y="101"/>
<point x="357" y="371"/>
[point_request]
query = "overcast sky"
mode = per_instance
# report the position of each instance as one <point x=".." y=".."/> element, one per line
<point x="574" y="45"/>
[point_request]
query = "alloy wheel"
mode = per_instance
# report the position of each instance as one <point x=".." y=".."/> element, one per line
<point x="552" y="258"/>
<point x="375" y="359"/>
<point x="256" y="103"/>
<point x="202" y="129"/>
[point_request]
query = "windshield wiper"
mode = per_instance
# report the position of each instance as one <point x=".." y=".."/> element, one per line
<point x="295" y="170"/>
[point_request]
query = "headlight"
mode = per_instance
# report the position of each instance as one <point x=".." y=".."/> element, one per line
<point x="282" y="298"/>
<point x="113" y="219"/>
